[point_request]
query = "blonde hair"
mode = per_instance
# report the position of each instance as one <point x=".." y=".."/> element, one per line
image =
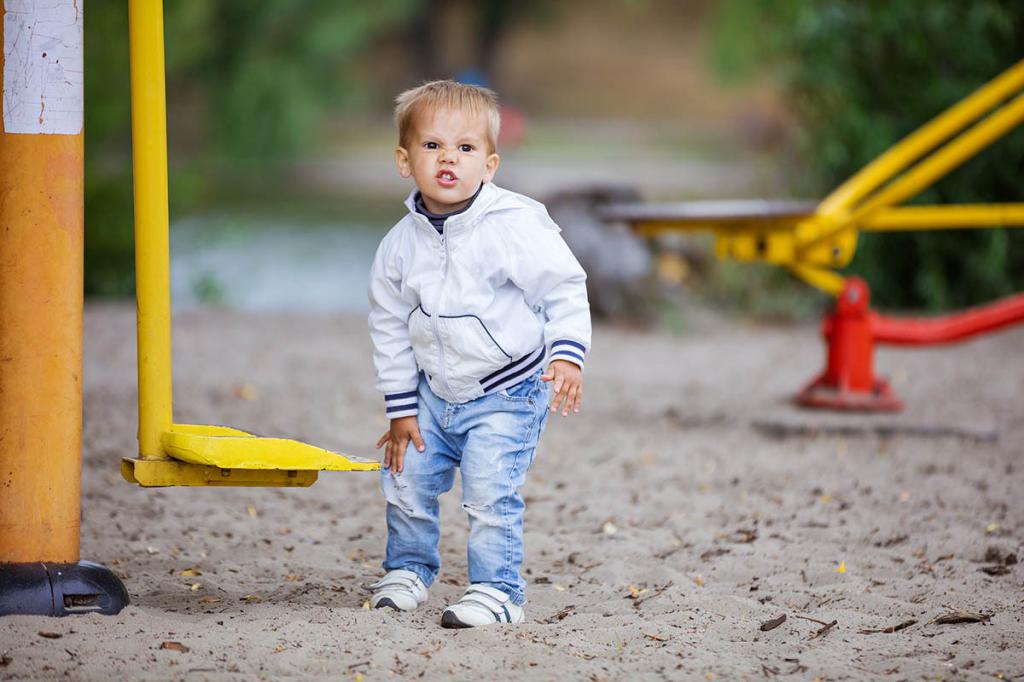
<point x="447" y="94"/>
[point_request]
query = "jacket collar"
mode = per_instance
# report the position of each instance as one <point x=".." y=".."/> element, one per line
<point x="460" y="222"/>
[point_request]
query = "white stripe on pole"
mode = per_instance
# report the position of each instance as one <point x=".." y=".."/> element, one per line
<point x="43" y="67"/>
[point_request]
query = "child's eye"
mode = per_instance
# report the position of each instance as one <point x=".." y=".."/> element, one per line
<point x="465" y="147"/>
<point x="430" y="145"/>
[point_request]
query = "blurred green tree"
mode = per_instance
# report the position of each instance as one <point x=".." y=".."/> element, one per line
<point x="860" y="76"/>
<point x="247" y="82"/>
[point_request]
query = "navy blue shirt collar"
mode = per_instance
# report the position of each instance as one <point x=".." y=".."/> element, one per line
<point x="437" y="219"/>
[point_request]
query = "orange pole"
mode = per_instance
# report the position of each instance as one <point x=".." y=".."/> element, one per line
<point x="41" y="238"/>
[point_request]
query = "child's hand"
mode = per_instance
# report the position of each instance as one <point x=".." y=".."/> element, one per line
<point x="403" y="429"/>
<point x="568" y="385"/>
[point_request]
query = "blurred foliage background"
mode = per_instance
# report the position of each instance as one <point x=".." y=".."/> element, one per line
<point x="792" y="95"/>
<point x="859" y="76"/>
<point x="247" y="82"/>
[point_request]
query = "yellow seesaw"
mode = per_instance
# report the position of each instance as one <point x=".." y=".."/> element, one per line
<point x="185" y="454"/>
<point x="813" y="241"/>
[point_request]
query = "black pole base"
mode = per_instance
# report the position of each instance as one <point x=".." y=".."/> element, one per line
<point x="45" y="589"/>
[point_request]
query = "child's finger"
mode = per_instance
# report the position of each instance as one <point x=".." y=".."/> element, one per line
<point x="417" y="440"/>
<point x="395" y="461"/>
<point x="570" y="400"/>
<point x="547" y="377"/>
<point x="398" y="457"/>
<point x="387" y="457"/>
<point x="383" y="439"/>
<point x="557" y="393"/>
<point x="557" y="402"/>
<point x="393" y="455"/>
<point x="579" y="399"/>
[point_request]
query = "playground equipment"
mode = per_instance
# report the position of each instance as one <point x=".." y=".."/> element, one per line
<point x="169" y="453"/>
<point x="812" y="242"/>
<point x="41" y="258"/>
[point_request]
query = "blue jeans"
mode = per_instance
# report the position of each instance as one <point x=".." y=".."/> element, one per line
<point x="493" y="440"/>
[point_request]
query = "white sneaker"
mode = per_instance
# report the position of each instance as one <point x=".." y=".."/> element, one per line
<point x="481" y="605"/>
<point x="400" y="590"/>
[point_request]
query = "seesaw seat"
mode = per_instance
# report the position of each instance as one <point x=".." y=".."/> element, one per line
<point x="209" y="455"/>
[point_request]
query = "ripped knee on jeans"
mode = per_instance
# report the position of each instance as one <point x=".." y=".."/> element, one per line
<point x="481" y="511"/>
<point x="398" y="493"/>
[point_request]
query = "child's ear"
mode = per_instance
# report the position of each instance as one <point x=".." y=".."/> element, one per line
<point x="491" y="167"/>
<point x="402" y="161"/>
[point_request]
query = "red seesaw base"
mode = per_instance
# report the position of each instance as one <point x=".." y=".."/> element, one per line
<point x="849" y="383"/>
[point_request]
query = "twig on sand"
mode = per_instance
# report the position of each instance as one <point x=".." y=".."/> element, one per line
<point x="891" y="629"/>
<point x="657" y="590"/>
<point x="797" y="666"/>
<point x="829" y="600"/>
<point x="824" y="630"/>
<point x="560" y="614"/>
<point x="825" y="627"/>
<point x="773" y="623"/>
<point x="961" y="617"/>
<point x="668" y="552"/>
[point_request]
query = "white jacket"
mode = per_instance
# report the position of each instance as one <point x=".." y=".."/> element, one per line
<point x="477" y="309"/>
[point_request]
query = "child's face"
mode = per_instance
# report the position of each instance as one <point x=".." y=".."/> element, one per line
<point x="448" y="157"/>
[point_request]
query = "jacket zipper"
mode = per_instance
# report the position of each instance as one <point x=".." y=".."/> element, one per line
<point x="437" y="308"/>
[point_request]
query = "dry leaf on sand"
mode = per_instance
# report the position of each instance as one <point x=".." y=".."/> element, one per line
<point x="175" y="646"/>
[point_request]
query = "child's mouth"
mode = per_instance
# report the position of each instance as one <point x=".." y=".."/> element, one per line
<point x="446" y="178"/>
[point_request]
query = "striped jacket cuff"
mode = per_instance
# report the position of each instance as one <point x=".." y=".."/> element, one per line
<point x="564" y="349"/>
<point x="402" y="404"/>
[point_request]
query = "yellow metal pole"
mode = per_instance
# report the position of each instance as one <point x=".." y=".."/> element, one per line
<point x="828" y="224"/>
<point x="202" y="455"/>
<point x="820" y="278"/>
<point x="946" y="159"/>
<point x="924" y="139"/>
<point x="41" y="238"/>
<point x="956" y="216"/>
<point x="152" y="250"/>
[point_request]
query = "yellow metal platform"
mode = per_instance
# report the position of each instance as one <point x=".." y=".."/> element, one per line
<point x="185" y="454"/>
<point x="158" y="473"/>
<point x="206" y="455"/>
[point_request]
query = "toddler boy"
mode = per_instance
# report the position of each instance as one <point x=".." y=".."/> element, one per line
<point x="471" y="294"/>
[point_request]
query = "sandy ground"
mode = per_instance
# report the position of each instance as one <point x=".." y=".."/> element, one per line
<point x="663" y="525"/>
